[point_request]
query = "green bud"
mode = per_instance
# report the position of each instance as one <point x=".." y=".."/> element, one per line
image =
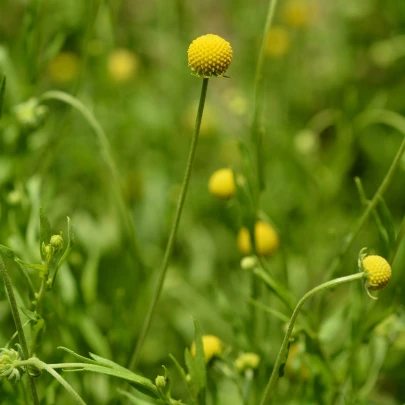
<point x="8" y="369"/>
<point x="160" y="382"/>
<point x="57" y="242"/>
<point x="248" y="263"/>
<point x="30" y="113"/>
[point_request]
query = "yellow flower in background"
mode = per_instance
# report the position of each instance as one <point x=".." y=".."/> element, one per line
<point x="222" y="183"/>
<point x="212" y="347"/>
<point x="300" y="13"/>
<point x="122" y="65"/>
<point x="208" y="125"/>
<point x="247" y="361"/>
<point x="267" y="240"/>
<point x="64" y="67"/>
<point x="378" y="272"/>
<point x="278" y="42"/>
<point x="209" y="55"/>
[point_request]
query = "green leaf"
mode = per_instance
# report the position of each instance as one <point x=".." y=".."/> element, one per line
<point x="107" y="363"/>
<point x="7" y="252"/>
<point x="387" y="222"/>
<point x="78" y="356"/>
<point x="194" y="383"/>
<point x="2" y="93"/>
<point x="182" y="373"/>
<point x="30" y="314"/>
<point x="44" y="230"/>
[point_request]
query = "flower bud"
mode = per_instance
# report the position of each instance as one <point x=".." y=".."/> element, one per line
<point x="7" y="367"/>
<point x="56" y="243"/>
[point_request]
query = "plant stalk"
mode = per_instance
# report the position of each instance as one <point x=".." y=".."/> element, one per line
<point x="18" y="325"/>
<point x="173" y="231"/>
<point x="281" y="355"/>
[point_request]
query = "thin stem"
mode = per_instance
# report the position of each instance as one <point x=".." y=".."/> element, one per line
<point x="257" y="132"/>
<point x="18" y="325"/>
<point x="43" y="366"/>
<point x="109" y="160"/>
<point x="281" y="355"/>
<point x="397" y="122"/>
<point x="173" y="232"/>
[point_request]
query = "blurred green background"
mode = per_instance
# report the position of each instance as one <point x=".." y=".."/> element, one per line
<point x="326" y="63"/>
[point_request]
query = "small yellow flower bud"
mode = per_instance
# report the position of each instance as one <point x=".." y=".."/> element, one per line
<point x="267" y="240"/>
<point x="160" y="382"/>
<point x="378" y="272"/>
<point x="246" y="361"/>
<point x="212" y="347"/>
<point x="209" y="55"/>
<point x="248" y="263"/>
<point x="222" y="183"/>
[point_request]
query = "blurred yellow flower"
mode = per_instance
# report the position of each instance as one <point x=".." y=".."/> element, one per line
<point x="295" y="365"/>
<point x="209" y="55"/>
<point x="246" y="361"/>
<point x="222" y="183"/>
<point x="300" y="13"/>
<point x="267" y="240"/>
<point x="278" y="42"/>
<point x="64" y="67"/>
<point x="212" y="347"/>
<point x="122" y="65"/>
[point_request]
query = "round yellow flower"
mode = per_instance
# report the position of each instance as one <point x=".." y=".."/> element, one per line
<point x="64" y="67"/>
<point x="222" y="183"/>
<point x="278" y="42"/>
<point x="267" y="240"/>
<point x="209" y="55"/>
<point x="212" y="347"/>
<point x="122" y="65"/>
<point x="378" y="272"/>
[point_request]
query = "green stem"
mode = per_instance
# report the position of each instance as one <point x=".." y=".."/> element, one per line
<point x="18" y="325"/>
<point x="38" y="308"/>
<point x="173" y="232"/>
<point x="257" y="132"/>
<point x="48" y="367"/>
<point x="398" y="122"/>
<point x="109" y="160"/>
<point x="281" y="355"/>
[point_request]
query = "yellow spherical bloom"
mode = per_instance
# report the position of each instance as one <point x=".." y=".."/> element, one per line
<point x="209" y="55"/>
<point x="122" y="65"/>
<point x="246" y="361"/>
<point x="64" y="67"/>
<point x="278" y="42"/>
<point x="212" y="347"/>
<point x="378" y="272"/>
<point x="267" y="240"/>
<point x="222" y="183"/>
<point x="299" y="13"/>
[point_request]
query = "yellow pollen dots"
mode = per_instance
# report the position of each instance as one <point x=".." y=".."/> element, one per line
<point x="209" y="55"/>
<point x="222" y="184"/>
<point x="212" y="347"/>
<point x="378" y="272"/>
<point x="267" y="240"/>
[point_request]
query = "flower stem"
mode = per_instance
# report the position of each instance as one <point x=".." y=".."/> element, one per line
<point x="397" y="122"/>
<point x="281" y="355"/>
<point x="257" y="132"/>
<point x="18" y="325"/>
<point x="173" y="232"/>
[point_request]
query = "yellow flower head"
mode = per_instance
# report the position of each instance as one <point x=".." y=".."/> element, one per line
<point x="378" y="272"/>
<point x="300" y="13"/>
<point x="222" y="183"/>
<point x="278" y="42"/>
<point x="267" y="240"/>
<point x="64" y="67"/>
<point x="246" y="361"/>
<point x="212" y="347"/>
<point x="122" y="65"/>
<point x="209" y="55"/>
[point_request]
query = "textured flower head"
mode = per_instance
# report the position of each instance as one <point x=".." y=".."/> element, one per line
<point x="209" y="55"/>
<point x="212" y="347"/>
<point x="378" y="272"/>
<point x="8" y="369"/>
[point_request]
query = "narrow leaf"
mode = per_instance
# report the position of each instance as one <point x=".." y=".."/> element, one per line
<point x="44" y="230"/>
<point x="199" y="360"/>
<point x="30" y="315"/>
<point x="7" y="252"/>
<point x="2" y="93"/>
